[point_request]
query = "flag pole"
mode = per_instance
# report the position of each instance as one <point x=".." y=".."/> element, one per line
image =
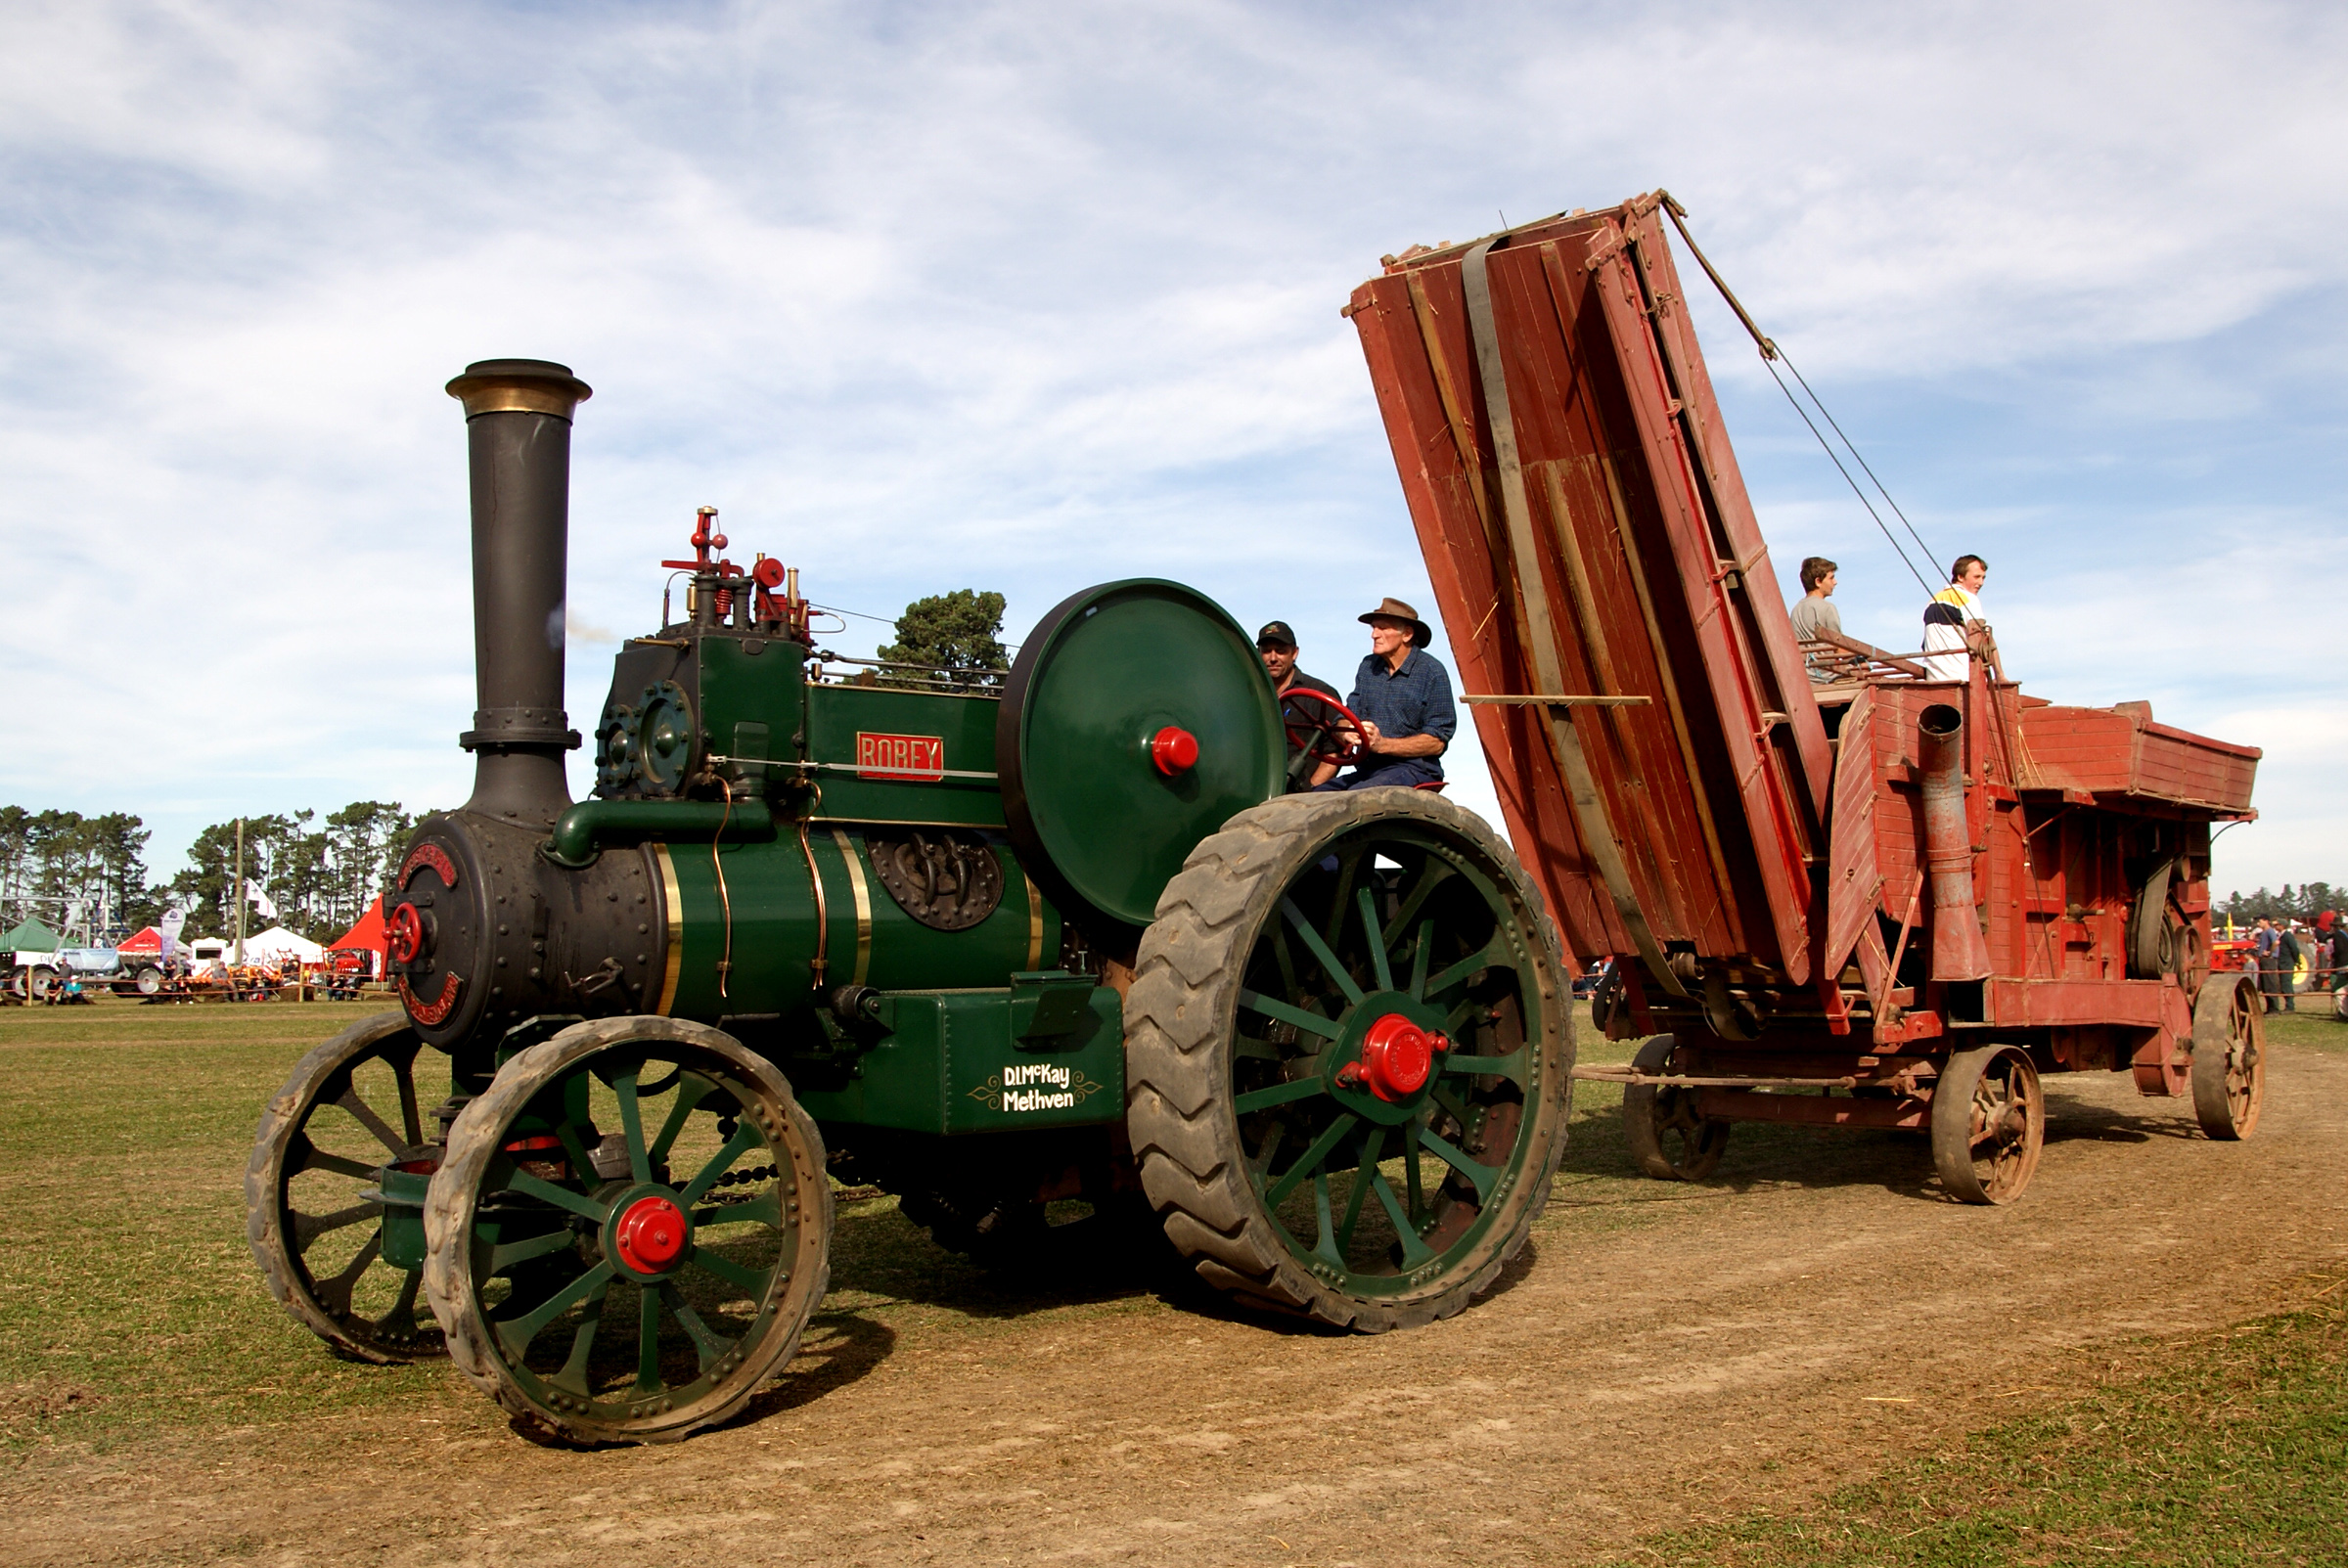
<point x="238" y="892"/>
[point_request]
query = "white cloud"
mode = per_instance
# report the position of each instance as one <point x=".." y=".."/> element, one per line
<point x="1028" y="297"/>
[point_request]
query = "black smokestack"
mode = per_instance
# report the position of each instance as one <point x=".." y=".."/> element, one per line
<point x="518" y="427"/>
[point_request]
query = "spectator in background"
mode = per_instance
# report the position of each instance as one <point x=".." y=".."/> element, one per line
<point x="2263" y="942"/>
<point x="1814" y="613"/>
<point x="2288" y="953"/>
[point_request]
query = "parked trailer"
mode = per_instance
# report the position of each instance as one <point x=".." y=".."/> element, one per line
<point x="1889" y="902"/>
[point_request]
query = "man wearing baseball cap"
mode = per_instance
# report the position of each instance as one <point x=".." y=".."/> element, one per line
<point x="1402" y="695"/>
<point x="1277" y="642"/>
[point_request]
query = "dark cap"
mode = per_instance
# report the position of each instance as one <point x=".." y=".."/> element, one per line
<point x="1278" y="633"/>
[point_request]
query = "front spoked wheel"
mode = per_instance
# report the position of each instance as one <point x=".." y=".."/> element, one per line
<point x="339" y="1148"/>
<point x="630" y="1231"/>
<point x="1348" y="1057"/>
<point x="1989" y="1122"/>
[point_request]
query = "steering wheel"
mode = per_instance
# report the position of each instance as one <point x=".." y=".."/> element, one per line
<point x="1331" y="737"/>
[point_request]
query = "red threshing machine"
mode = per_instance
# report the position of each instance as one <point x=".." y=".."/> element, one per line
<point x="1888" y="902"/>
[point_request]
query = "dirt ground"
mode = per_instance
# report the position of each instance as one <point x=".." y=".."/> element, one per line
<point x="1686" y="1352"/>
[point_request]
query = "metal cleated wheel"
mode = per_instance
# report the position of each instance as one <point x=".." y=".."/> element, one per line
<point x="1989" y="1122"/>
<point x="630" y="1231"/>
<point x="348" y="1118"/>
<point x="2229" y="1056"/>
<point x="1668" y="1139"/>
<point x="1348" y="1057"/>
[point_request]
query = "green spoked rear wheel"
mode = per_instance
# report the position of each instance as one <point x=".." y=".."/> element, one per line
<point x="630" y="1231"/>
<point x="1348" y="1057"/>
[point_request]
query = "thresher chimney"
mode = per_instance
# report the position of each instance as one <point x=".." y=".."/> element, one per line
<point x="1959" y="952"/>
<point x="518" y="428"/>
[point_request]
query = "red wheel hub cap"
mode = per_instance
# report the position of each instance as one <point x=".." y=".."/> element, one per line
<point x="650" y="1234"/>
<point x="1174" y="749"/>
<point x="1398" y="1057"/>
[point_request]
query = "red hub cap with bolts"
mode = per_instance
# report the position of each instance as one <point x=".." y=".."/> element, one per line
<point x="1174" y="749"/>
<point x="403" y="933"/>
<point x="1397" y="1057"/>
<point x="650" y="1234"/>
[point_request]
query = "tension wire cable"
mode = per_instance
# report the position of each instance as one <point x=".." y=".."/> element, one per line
<point x="1770" y="352"/>
<point x="1889" y="537"/>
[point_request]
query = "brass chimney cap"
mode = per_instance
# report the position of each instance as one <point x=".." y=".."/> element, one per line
<point x="518" y="386"/>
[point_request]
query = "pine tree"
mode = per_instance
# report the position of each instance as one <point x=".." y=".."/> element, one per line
<point x="951" y="635"/>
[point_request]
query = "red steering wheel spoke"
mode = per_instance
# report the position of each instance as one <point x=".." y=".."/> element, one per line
<point x="1325" y="730"/>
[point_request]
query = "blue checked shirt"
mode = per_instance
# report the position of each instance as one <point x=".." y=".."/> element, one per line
<point x="1415" y="700"/>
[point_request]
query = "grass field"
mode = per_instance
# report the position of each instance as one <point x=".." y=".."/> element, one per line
<point x="129" y="1304"/>
<point x="2233" y="1452"/>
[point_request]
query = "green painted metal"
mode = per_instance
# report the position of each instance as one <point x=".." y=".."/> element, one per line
<point x="950" y="1063"/>
<point x="585" y="830"/>
<point x="1407" y="924"/>
<point x="852" y="786"/>
<point x="401" y="1194"/>
<point x="754" y="682"/>
<point x="1112" y="668"/>
<point x="765" y="923"/>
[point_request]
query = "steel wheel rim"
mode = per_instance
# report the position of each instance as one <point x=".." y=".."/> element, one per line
<point x="2005" y="1106"/>
<point x="2244" y="1075"/>
<point x="338" y="1305"/>
<point x="1436" y="944"/>
<point x="564" y="1312"/>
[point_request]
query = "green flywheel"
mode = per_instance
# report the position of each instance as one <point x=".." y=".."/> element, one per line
<point x="1137" y="720"/>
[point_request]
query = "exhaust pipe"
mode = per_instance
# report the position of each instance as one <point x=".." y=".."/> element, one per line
<point x="1959" y="952"/>
<point x="518" y="428"/>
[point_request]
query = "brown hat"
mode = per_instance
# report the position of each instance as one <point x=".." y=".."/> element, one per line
<point x="1394" y="608"/>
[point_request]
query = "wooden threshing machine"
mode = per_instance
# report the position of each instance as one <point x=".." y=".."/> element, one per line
<point x="1891" y="901"/>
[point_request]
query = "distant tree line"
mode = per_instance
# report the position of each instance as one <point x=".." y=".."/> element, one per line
<point x="2310" y="900"/>
<point x="75" y="872"/>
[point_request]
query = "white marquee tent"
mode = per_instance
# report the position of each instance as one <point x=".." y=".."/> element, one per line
<point x="276" y="944"/>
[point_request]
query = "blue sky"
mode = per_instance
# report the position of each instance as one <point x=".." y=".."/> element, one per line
<point x="1031" y="297"/>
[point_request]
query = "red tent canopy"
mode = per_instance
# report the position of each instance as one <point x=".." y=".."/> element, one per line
<point x="366" y="936"/>
<point x="148" y="940"/>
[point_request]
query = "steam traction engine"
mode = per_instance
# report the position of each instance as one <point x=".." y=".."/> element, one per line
<point x="1890" y="901"/>
<point x="990" y="948"/>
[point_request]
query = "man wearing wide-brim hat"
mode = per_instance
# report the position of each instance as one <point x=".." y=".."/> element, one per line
<point x="1402" y="695"/>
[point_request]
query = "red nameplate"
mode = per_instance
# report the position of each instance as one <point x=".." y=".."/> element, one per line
<point x="901" y="756"/>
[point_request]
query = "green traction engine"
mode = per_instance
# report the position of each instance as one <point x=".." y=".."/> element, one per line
<point x="1005" y="950"/>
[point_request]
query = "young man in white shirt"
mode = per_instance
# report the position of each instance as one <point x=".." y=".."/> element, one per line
<point x="1950" y="620"/>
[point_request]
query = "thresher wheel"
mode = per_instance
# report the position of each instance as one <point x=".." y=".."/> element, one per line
<point x="630" y="1231"/>
<point x="1348" y="1050"/>
<point x="1668" y="1139"/>
<point x="2229" y="1056"/>
<point x="1989" y="1122"/>
<point x="350" y="1108"/>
